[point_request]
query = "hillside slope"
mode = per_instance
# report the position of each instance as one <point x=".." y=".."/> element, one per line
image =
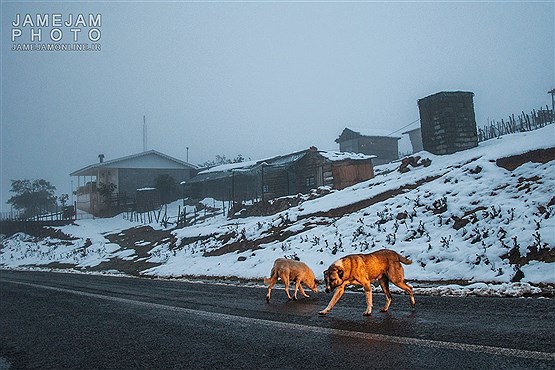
<point x="482" y="215"/>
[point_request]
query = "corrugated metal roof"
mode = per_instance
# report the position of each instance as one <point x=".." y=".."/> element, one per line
<point x="91" y="169"/>
<point x="255" y="167"/>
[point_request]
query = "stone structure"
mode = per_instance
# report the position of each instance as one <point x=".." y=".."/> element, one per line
<point x="448" y="123"/>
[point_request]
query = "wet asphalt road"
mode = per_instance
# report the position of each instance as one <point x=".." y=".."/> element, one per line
<point x="55" y="321"/>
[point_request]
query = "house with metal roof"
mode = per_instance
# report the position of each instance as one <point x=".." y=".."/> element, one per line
<point x="106" y="187"/>
<point x="289" y="174"/>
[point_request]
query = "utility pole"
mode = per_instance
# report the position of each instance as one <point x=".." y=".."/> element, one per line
<point x="187" y="154"/>
<point x="552" y="92"/>
<point x="144" y="134"/>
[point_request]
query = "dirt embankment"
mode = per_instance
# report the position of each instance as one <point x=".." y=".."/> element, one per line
<point x="141" y="240"/>
<point x="536" y="156"/>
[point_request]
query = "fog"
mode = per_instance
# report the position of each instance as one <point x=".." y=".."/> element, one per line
<point x="255" y="78"/>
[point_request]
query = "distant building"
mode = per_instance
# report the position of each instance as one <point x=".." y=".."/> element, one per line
<point x="279" y="176"/>
<point x="384" y="147"/>
<point x="448" y="122"/>
<point x="127" y="176"/>
<point x="415" y="137"/>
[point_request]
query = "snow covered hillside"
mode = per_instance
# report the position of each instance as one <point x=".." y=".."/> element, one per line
<point x="469" y="217"/>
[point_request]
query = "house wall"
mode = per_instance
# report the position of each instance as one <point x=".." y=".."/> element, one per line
<point x="415" y="137"/>
<point x="237" y="187"/>
<point x="346" y="174"/>
<point x="90" y="203"/>
<point x="311" y="172"/>
<point x="131" y="179"/>
<point x="147" y="200"/>
<point x="108" y="176"/>
<point x="386" y="149"/>
<point x="246" y="187"/>
<point x="277" y="183"/>
<point x="350" y="145"/>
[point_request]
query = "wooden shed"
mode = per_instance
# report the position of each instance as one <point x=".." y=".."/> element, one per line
<point x="337" y="170"/>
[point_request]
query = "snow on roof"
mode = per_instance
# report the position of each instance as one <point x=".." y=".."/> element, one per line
<point x="229" y="167"/>
<point x="146" y="189"/>
<point x="285" y="160"/>
<point x="341" y="156"/>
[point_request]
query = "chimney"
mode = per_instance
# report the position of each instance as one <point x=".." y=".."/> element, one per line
<point x="101" y="157"/>
<point x="313" y="149"/>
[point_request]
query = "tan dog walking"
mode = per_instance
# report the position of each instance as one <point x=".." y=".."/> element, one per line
<point x="362" y="269"/>
<point x="291" y="270"/>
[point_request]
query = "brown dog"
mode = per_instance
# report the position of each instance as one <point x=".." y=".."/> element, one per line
<point x="290" y="270"/>
<point x="362" y="269"/>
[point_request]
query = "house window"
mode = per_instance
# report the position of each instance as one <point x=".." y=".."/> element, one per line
<point x="265" y="188"/>
<point x="310" y="181"/>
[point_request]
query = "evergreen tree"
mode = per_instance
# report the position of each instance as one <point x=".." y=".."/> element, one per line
<point x="33" y="197"/>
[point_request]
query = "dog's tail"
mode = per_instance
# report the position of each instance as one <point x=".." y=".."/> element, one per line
<point x="267" y="280"/>
<point x="404" y="260"/>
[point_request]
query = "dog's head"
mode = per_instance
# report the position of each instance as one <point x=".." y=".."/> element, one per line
<point x="333" y="278"/>
<point x="311" y="282"/>
<point x="313" y="285"/>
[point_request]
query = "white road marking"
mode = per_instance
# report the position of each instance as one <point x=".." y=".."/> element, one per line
<point x="501" y="351"/>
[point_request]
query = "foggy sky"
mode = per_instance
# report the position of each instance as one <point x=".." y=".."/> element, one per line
<point x="258" y="78"/>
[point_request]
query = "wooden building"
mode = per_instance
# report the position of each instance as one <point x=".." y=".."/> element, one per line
<point x="337" y="170"/>
<point x="275" y="177"/>
<point x="381" y="145"/>
<point x="125" y="176"/>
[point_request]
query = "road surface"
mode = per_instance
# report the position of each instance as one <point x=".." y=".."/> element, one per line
<point x="57" y="320"/>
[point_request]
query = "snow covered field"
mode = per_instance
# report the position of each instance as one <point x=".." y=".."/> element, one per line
<point x="463" y="218"/>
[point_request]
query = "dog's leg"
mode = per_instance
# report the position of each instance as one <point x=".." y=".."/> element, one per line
<point x="384" y="283"/>
<point x="368" y="294"/>
<point x="302" y="291"/>
<point x="297" y="285"/>
<point x="338" y="293"/>
<point x="285" y="279"/>
<point x="273" y="281"/>
<point x="407" y="288"/>
<point x="397" y="276"/>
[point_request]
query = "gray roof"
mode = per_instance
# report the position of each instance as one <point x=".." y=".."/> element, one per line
<point x="91" y="170"/>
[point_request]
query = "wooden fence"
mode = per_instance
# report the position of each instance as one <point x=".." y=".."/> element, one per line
<point x="55" y="214"/>
<point x="523" y="122"/>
